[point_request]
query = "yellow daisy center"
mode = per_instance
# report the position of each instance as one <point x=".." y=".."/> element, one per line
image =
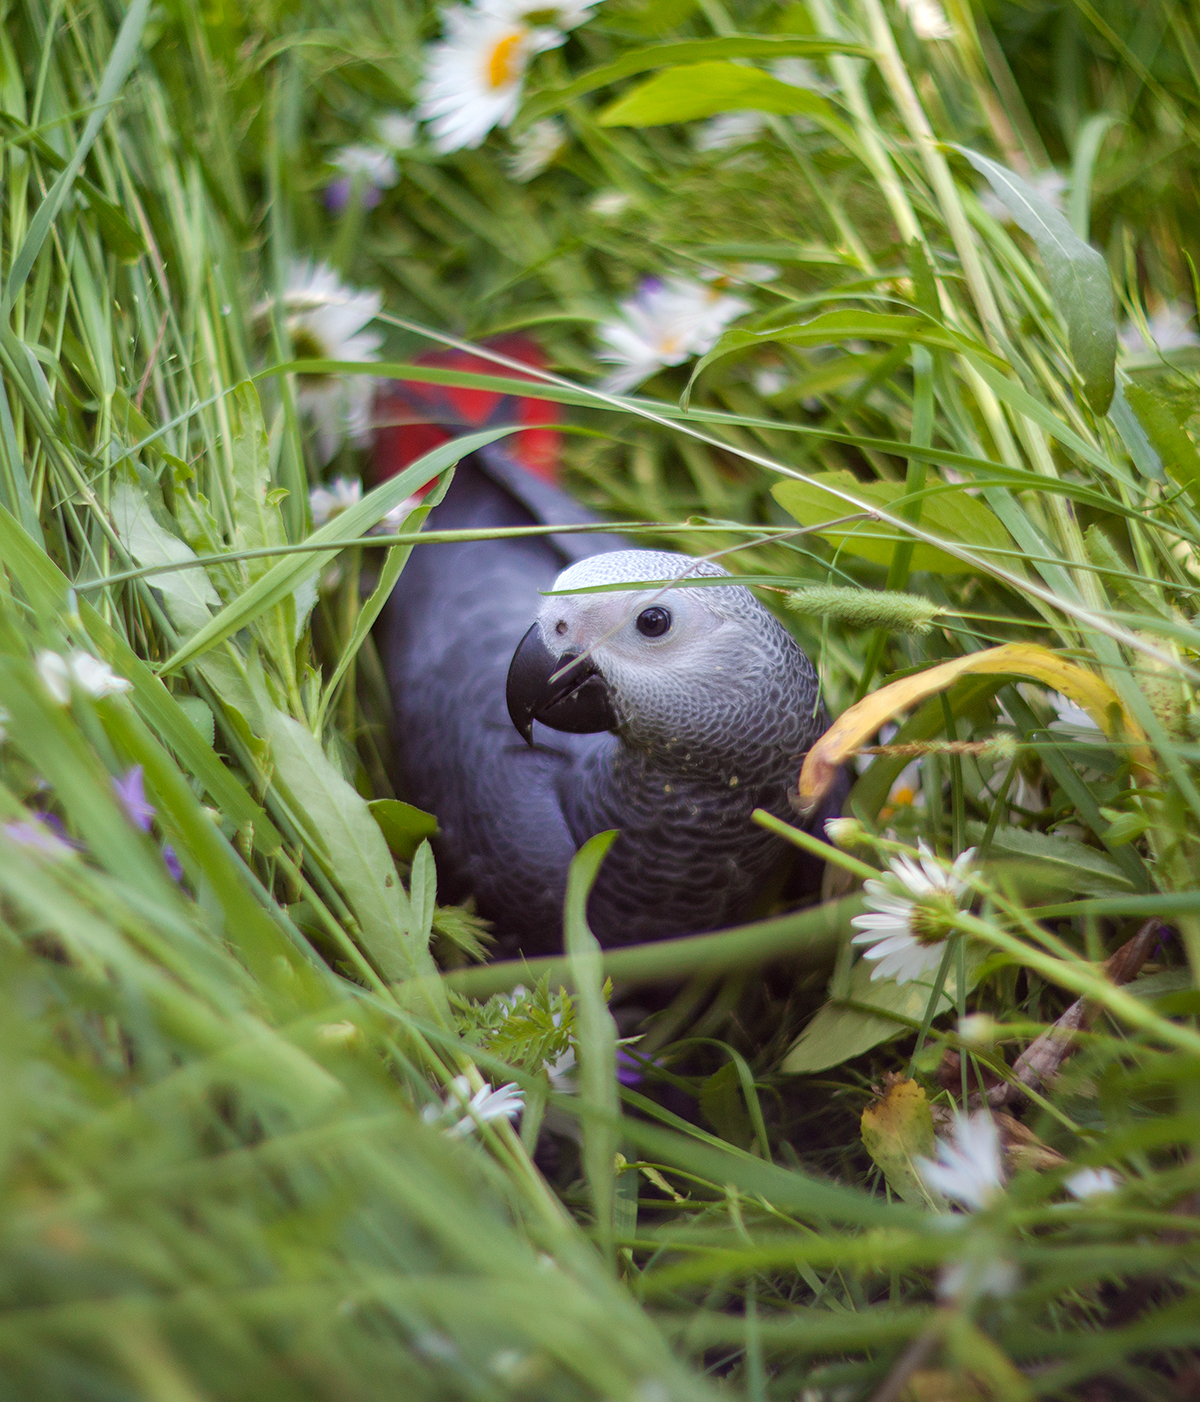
<point x="504" y="63"/>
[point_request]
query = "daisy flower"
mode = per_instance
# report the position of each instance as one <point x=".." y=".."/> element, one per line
<point x="728" y="130"/>
<point x="908" y="928"/>
<point x="324" y="320"/>
<point x="608" y="204"/>
<point x="473" y="78"/>
<point x="991" y="1276"/>
<point x="1072" y="722"/>
<point x="1092" y="1182"/>
<point x="325" y="503"/>
<point x="665" y="323"/>
<point x="1170" y="328"/>
<point x="968" y="1168"/>
<point x="397" y="131"/>
<point x="60" y="674"/>
<point x="374" y="170"/>
<point x="461" y="1113"/>
<point x="535" y="148"/>
<point x="928" y="19"/>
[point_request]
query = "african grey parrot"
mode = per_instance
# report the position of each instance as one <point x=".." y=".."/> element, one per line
<point x="685" y="711"/>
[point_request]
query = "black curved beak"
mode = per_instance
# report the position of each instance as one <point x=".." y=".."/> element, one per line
<point x="578" y="701"/>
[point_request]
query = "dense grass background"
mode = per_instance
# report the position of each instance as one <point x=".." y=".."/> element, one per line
<point x="216" y="1180"/>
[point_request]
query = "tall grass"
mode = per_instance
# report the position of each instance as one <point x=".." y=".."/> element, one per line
<point x="217" y="1180"/>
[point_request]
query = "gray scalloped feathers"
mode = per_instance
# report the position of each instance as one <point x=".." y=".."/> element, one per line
<point x="713" y="720"/>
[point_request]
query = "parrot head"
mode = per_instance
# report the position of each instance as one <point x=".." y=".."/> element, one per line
<point x="693" y="671"/>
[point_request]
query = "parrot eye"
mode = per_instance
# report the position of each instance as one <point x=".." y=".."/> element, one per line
<point x="560" y="627"/>
<point x="653" y="622"/>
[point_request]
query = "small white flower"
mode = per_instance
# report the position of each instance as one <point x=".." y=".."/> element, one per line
<point x="801" y="73"/>
<point x="396" y="130"/>
<point x="770" y="379"/>
<point x="1073" y="722"/>
<point x="376" y="163"/>
<point x="327" y="502"/>
<point x="975" y="1278"/>
<point x="324" y="320"/>
<point x="1092" y="1182"/>
<point x="928" y="19"/>
<point x="728" y="130"/>
<point x="561" y="1072"/>
<point x="608" y="204"/>
<point x="535" y="148"/>
<point x="908" y="928"/>
<point x="968" y="1169"/>
<point x="473" y="78"/>
<point x="390" y="523"/>
<point x="1051" y="185"/>
<point x="1171" y="328"/>
<point x="665" y="323"/>
<point x="462" y="1113"/>
<point x="80" y="669"/>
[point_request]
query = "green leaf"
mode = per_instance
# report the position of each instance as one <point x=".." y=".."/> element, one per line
<point x="596" y="1034"/>
<point x="404" y="827"/>
<point x="952" y="515"/>
<point x="120" y="62"/>
<point x="1167" y="435"/>
<point x="283" y="578"/>
<point x="846" y="326"/>
<point x="703" y="89"/>
<point x="188" y="593"/>
<point x="1068" y="865"/>
<point x="873" y="1011"/>
<point x="1079" y="279"/>
<point x="687" y="51"/>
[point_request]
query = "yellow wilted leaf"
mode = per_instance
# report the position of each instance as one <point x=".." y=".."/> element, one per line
<point x="897" y="1130"/>
<point x="856" y="725"/>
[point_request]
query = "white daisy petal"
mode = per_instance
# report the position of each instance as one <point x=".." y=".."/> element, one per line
<point x="665" y="323"/>
<point x="968" y="1169"/>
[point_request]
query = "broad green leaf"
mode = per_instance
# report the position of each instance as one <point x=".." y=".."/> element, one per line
<point x="703" y="89"/>
<point x="834" y="327"/>
<point x="422" y="894"/>
<point x="404" y="827"/>
<point x="596" y="1035"/>
<point x="1167" y="436"/>
<point x="1069" y="865"/>
<point x="952" y="515"/>
<point x="873" y="1011"/>
<point x="1078" y="275"/>
<point x="283" y="578"/>
<point x="897" y="1130"/>
<point x="1133" y="435"/>
<point x="346" y="839"/>
<point x="188" y="593"/>
<point x="687" y="51"/>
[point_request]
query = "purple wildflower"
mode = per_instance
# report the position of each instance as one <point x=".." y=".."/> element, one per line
<point x="131" y="791"/>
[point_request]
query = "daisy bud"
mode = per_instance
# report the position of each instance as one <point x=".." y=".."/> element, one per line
<point x="845" y="832"/>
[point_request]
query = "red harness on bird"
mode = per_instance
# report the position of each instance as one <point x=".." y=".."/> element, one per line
<point x="411" y="418"/>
